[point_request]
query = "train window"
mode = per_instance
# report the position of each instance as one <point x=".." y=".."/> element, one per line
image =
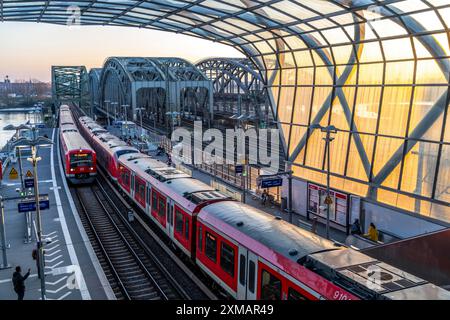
<point x="162" y="207"/>
<point x="142" y="191"/>
<point x="251" y="276"/>
<point x="295" y="295"/>
<point x="242" y="263"/>
<point x="126" y="178"/>
<point x="200" y="239"/>
<point x="154" y="201"/>
<point x="170" y="216"/>
<point x="186" y="229"/>
<point x="178" y="222"/>
<point x="81" y="159"/>
<point x="227" y="259"/>
<point x="270" y="286"/>
<point x="211" y="246"/>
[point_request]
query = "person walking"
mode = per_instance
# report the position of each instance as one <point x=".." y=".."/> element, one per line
<point x="19" y="282"/>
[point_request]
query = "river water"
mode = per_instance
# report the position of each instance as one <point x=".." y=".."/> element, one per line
<point x="15" y="118"/>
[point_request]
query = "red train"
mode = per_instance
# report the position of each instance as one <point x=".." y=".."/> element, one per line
<point x="107" y="146"/>
<point x="249" y="253"/>
<point x="80" y="161"/>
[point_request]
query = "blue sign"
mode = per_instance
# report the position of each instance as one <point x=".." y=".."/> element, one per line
<point x="239" y="168"/>
<point x="271" y="182"/>
<point x="28" y="206"/>
<point x="29" y="183"/>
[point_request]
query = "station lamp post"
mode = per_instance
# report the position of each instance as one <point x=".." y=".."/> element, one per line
<point x="107" y="111"/>
<point x="140" y="114"/>
<point x="125" y="109"/>
<point x="115" y="104"/>
<point x="17" y="129"/>
<point x="328" y="138"/>
<point x="34" y="143"/>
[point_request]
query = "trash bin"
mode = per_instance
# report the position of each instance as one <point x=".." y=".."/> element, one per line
<point x="130" y="216"/>
<point x="283" y="203"/>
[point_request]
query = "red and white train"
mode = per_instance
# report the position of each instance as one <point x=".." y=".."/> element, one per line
<point x="79" y="159"/>
<point x="249" y="253"/>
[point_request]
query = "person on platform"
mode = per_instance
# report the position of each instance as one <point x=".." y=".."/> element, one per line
<point x="264" y="197"/>
<point x="19" y="282"/>
<point x="372" y="234"/>
<point x="356" y="228"/>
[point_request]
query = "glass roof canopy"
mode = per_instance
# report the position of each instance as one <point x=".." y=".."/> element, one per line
<point x="376" y="69"/>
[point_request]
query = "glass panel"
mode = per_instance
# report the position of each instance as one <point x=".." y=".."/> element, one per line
<point x="340" y="117"/>
<point x="338" y="154"/>
<point x="211" y="246"/>
<point x="371" y="73"/>
<point x="399" y="72"/>
<point x="302" y="105"/>
<point x="394" y="111"/>
<point x="270" y="286"/>
<point x="242" y="269"/>
<point x="227" y="259"/>
<point x="419" y="168"/>
<point x="355" y="168"/>
<point x="428" y="71"/>
<point x="424" y="99"/>
<point x="316" y="150"/>
<point x="285" y="104"/>
<point x="398" y="49"/>
<point x="366" y="109"/>
<point x="384" y="150"/>
<point x="251" y="276"/>
<point x="178" y="222"/>
<point x="443" y="184"/>
<point x="297" y="134"/>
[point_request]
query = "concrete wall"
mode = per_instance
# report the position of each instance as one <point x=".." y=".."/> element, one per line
<point x="397" y="222"/>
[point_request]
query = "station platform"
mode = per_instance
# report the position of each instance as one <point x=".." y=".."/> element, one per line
<point x="71" y="266"/>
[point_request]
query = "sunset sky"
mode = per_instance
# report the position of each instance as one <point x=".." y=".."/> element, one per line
<point x="28" y="50"/>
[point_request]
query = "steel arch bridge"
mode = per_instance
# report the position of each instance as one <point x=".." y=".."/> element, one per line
<point x="70" y="85"/>
<point x="238" y="87"/>
<point x="155" y="86"/>
<point x="94" y="87"/>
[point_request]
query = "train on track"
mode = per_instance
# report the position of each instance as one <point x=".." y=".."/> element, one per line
<point x="79" y="159"/>
<point x="249" y="253"/>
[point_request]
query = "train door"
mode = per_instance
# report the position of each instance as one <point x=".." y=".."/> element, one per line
<point x="170" y="217"/>
<point x="132" y="191"/>
<point x="242" y="274"/>
<point x="247" y="277"/>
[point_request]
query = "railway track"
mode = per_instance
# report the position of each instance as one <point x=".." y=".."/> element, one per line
<point x="133" y="272"/>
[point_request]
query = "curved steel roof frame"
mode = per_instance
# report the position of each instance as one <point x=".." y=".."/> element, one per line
<point x="284" y="37"/>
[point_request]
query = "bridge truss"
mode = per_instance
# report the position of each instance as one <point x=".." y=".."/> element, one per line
<point x="70" y="85"/>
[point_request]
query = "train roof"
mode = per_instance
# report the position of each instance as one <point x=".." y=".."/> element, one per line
<point x="371" y="278"/>
<point x="68" y="128"/>
<point x="275" y="234"/>
<point x="105" y="137"/>
<point x="98" y="131"/>
<point x="181" y="187"/>
<point x="74" y="141"/>
<point x="114" y="143"/>
<point x="195" y="190"/>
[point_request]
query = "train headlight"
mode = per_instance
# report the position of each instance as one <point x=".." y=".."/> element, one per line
<point x="92" y="168"/>
<point x="72" y="169"/>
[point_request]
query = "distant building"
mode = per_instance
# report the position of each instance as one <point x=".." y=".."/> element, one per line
<point x="31" y="88"/>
